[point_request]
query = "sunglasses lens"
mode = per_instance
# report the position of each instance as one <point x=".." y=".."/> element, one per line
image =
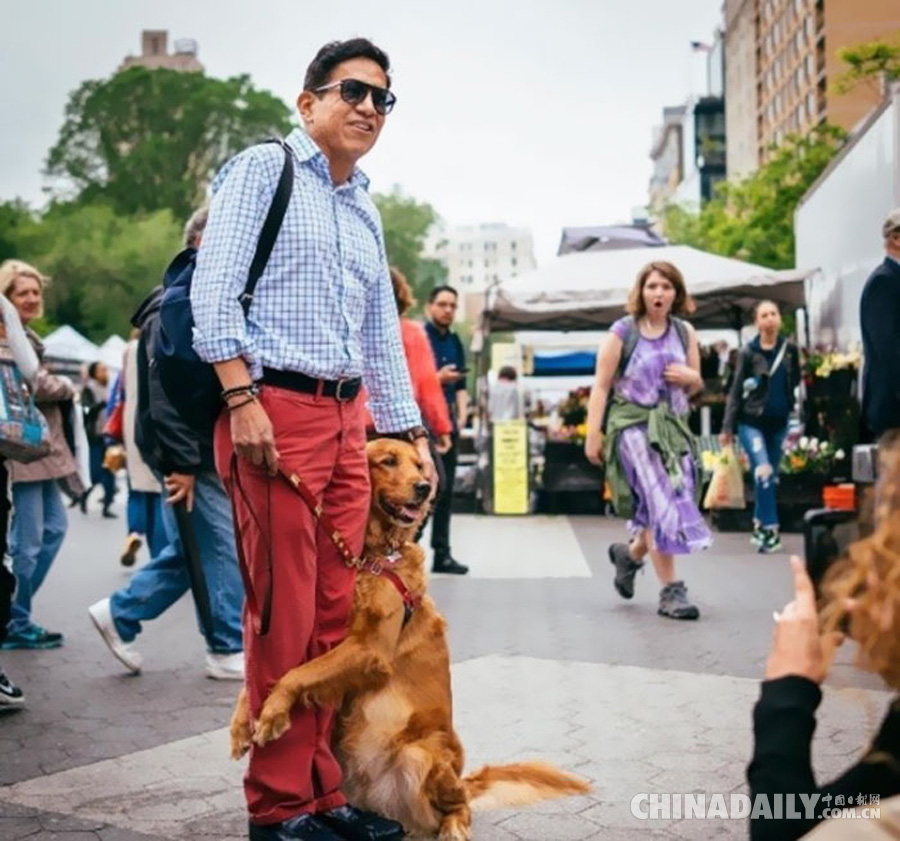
<point x="383" y="100"/>
<point x="353" y="91"/>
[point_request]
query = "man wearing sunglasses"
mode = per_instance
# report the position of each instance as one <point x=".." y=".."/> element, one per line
<point x="322" y="318"/>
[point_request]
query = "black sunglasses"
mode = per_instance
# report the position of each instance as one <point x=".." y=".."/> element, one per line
<point x="354" y="91"/>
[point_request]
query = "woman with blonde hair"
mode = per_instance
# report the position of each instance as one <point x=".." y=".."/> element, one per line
<point x="39" y="521"/>
<point x="861" y="597"/>
<point x="647" y="369"/>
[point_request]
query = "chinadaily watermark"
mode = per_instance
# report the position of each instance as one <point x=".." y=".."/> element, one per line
<point x="656" y="806"/>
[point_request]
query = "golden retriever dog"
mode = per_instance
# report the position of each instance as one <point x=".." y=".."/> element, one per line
<point x="390" y="679"/>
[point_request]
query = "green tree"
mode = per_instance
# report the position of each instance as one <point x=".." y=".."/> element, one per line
<point x="14" y="216"/>
<point x="101" y="263"/>
<point x="867" y="62"/>
<point x="406" y="223"/>
<point x="148" y="140"/>
<point x="752" y="219"/>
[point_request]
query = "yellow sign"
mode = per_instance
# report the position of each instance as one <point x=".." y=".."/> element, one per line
<point x="510" y="465"/>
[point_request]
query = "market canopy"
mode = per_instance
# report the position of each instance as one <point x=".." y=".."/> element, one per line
<point x="588" y="290"/>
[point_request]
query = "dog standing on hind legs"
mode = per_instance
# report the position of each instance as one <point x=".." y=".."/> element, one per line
<point x="390" y="680"/>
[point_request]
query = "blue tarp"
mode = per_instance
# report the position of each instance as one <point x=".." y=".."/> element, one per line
<point x="554" y="365"/>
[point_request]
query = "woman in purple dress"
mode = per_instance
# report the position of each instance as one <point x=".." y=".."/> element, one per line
<point x="647" y="368"/>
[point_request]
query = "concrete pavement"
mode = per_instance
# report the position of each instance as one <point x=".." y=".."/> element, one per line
<point x="548" y="663"/>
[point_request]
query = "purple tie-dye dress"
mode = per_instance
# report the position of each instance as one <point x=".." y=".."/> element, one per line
<point x="676" y="525"/>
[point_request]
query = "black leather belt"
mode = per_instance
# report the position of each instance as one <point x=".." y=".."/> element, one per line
<point x="341" y="390"/>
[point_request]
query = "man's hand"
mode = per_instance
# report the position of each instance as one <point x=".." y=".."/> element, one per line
<point x="253" y="436"/>
<point x="180" y="487"/>
<point x="798" y="648"/>
<point x="421" y="445"/>
<point x="449" y="374"/>
<point x="443" y="444"/>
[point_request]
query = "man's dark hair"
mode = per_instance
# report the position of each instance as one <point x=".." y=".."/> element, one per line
<point x="92" y="369"/>
<point x="336" y="52"/>
<point x="437" y="291"/>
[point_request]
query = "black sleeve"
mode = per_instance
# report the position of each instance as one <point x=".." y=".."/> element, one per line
<point x="179" y="447"/>
<point x="733" y="405"/>
<point x="881" y="314"/>
<point x="783" y="725"/>
<point x="794" y="373"/>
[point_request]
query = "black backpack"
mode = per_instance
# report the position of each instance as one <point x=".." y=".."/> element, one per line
<point x="190" y="383"/>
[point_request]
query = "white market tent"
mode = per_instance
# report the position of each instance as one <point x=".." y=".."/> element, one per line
<point x="112" y="351"/>
<point x="67" y="343"/>
<point x="588" y="290"/>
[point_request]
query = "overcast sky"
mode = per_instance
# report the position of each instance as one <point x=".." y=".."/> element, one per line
<point x="531" y="113"/>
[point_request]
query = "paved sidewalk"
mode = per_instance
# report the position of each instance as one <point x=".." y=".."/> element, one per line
<point x="547" y="663"/>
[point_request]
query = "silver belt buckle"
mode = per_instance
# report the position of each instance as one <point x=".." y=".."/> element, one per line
<point x="338" y="392"/>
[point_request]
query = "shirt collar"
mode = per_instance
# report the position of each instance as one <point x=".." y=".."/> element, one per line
<point x="894" y="260"/>
<point x="305" y="148"/>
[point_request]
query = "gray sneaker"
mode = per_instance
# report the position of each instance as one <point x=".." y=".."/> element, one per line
<point x="673" y="602"/>
<point x="626" y="569"/>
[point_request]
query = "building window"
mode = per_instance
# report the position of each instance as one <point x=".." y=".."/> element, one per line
<point x="513" y="260"/>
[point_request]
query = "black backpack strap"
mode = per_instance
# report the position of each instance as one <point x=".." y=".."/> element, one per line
<point x="681" y="328"/>
<point x="271" y="226"/>
<point x="629" y="343"/>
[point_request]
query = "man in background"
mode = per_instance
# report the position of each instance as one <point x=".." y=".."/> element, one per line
<point x="450" y="358"/>
<point x="879" y="315"/>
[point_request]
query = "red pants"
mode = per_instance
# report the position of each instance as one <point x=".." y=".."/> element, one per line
<point x="312" y="588"/>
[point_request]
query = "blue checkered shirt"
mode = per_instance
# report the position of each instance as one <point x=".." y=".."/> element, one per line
<point x="324" y="305"/>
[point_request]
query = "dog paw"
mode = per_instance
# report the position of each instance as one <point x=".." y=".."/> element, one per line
<point x="454" y="830"/>
<point x="274" y="720"/>
<point x="240" y="740"/>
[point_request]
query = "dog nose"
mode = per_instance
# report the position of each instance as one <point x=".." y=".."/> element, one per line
<point x="422" y="490"/>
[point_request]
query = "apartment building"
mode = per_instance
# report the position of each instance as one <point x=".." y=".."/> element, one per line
<point x="781" y="65"/>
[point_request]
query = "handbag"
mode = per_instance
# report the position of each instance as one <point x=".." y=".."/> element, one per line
<point x="24" y="434"/>
<point x="115" y="424"/>
<point x="726" y="488"/>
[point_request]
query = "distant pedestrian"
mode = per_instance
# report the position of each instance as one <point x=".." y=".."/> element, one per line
<point x="450" y="358"/>
<point x="504" y="398"/>
<point x="144" y="506"/>
<point x="761" y="400"/>
<point x="94" y="398"/>
<point x="183" y="457"/>
<point x="647" y="369"/>
<point x="39" y="521"/>
<point x="879" y="315"/>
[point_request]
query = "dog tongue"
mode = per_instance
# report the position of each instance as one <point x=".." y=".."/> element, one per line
<point x="410" y="512"/>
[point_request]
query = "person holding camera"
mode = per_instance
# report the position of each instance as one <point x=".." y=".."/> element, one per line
<point x="861" y="598"/>
<point x="759" y="405"/>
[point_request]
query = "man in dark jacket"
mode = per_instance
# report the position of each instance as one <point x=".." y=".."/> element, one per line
<point x="184" y="457"/>
<point x="879" y="315"/>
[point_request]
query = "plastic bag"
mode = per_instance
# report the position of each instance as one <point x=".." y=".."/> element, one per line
<point x="726" y="489"/>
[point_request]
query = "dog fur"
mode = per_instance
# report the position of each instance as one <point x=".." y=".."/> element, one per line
<point x="394" y="734"/>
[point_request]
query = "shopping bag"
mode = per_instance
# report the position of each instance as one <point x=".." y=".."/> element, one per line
<point x="24" y="434"/>
<point x="726" y="489"/>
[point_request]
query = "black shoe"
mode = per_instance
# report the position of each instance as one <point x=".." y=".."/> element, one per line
<point x="82" y="503"/>
<point x="626" y="569"/>
<point x="449" y="565"/>
<point x="354" y="824"/>
<point x="303" y="827"/>
<point x="10" y="694"/>
<point x="110" y="515"/>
